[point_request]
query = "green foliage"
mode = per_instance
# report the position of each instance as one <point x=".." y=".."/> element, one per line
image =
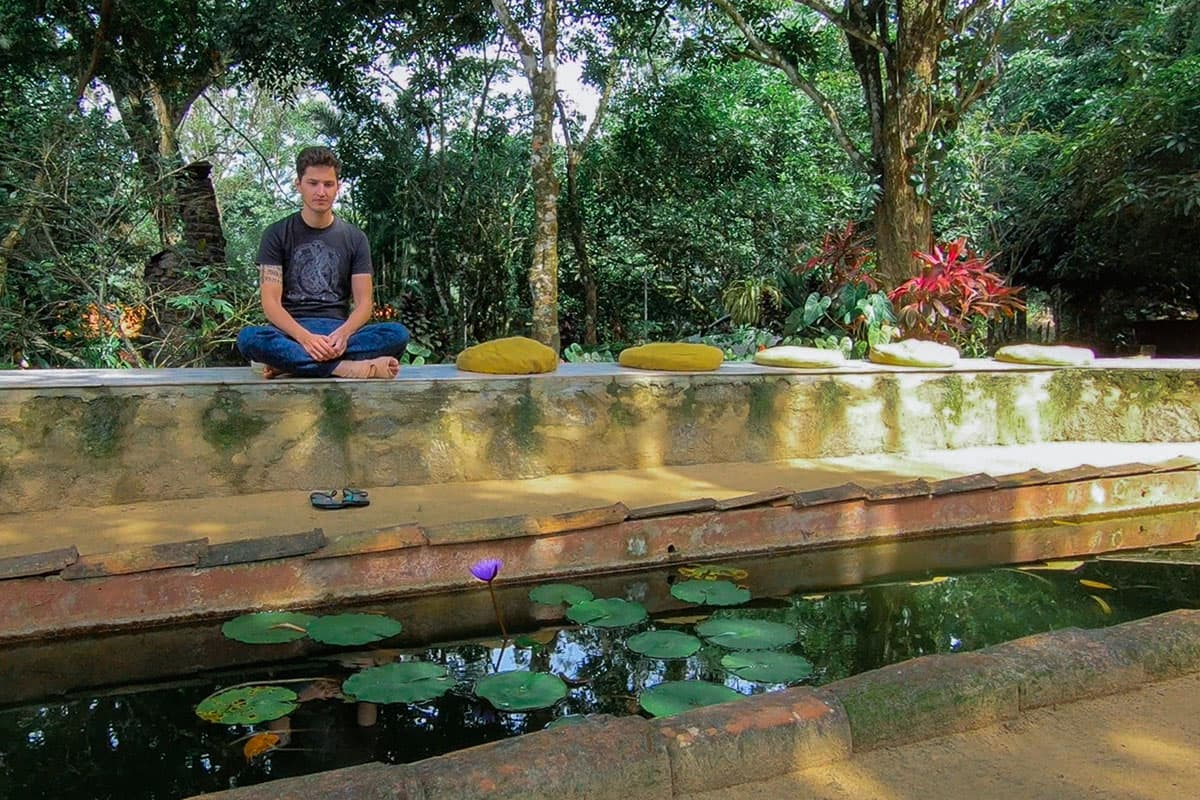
<point x="247" y="705"/>
<point x="518" y="690"/>
<point x="710" y="593"/>
<point x="352" y="629"/>
<point x="674" y="697"/>
<point x="267" y="627"/>
<point x="663" y="644"/>
<point x="406" y="682"/>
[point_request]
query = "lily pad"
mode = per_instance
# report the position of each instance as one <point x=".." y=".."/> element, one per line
<point x="247" y="705"/>
<point x="557" y="594"/>
<point x="611" y="612"/>
<point x="664" y="644"/>
<point x="268" y="627"/>
<point x="711" y="593"/>
<point x="567" y="721"/>
<point x="674" y="697"/>
<point x="746" y="634"/>
<point x="766" y="666"/>
<point x="353" y="629"/>
<point x="406" y="682"/>
<point x="518" y="690"/>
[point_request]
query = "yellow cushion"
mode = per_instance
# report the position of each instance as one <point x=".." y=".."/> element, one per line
<point x="673" y="357"/>
<point x="799" y="357"/>
<point x="1052" y="355"/>
<point x="914" y="353"/>
<point x="515" y="355"/>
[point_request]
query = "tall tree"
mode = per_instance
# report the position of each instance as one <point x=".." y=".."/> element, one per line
<point x="920" y="64"/>
<point x="541" y="71"/>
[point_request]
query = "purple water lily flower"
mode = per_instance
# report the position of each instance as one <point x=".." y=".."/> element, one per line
<point x="487" y="569"/>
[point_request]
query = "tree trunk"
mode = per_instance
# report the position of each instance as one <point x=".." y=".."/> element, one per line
<point x="543" y="273"/>
<point x="575" y="223"/>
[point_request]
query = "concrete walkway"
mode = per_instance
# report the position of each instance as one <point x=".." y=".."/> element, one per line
<point x="227" y="518"/>
<point x="1140" y="745"/>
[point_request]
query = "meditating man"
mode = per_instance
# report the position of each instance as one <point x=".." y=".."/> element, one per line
<point x="316" y="286"/>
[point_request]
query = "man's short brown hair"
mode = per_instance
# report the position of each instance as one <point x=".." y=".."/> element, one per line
<point x="317" y="157"/>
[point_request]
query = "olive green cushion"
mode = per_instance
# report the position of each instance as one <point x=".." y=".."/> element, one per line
<point x="799" y="357"/>
<point x="672" y="357"/>
<point x="515" y="355"/>
<point x="1052" y="355"/>
<point x="914" y="353"/>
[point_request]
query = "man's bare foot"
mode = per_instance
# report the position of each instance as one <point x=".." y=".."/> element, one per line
<point x="382" y="367"/>
<point x="271" y="372"/>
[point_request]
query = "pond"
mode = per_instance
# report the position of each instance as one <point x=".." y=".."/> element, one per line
<point x="146" y="741"/>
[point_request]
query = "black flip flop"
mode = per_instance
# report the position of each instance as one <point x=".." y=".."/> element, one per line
<point x="326" y="501"/>
<point x="354" y="498"/>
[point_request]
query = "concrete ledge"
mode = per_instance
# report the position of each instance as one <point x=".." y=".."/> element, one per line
<point x="754" y="739"/>
<point x="96" y="437"/>
<point x="768" y="736"/>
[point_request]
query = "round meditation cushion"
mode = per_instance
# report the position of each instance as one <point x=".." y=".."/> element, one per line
<point x="1051" y="355"/>
<point x="672" y="357"/>
<point x="914" y="353"/>
<point x="515" y="355"/>
<point x="799" y="357"/>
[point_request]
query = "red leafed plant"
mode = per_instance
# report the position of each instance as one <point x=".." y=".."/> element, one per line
<point x="955" y="292"/>
<point x="845" y="258"/>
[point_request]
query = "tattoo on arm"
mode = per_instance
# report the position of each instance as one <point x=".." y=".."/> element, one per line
<point x="270" y="273"/>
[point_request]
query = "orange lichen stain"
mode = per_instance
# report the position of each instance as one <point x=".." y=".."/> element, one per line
<point x="813" y="710"/>
<point x="487" y="785"/>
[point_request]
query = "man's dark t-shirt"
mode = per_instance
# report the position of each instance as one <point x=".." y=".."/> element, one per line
<point x="317" y="264"/>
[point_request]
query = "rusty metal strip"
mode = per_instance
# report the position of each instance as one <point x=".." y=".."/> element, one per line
<point x="964" y="483"/>
<point x="38" y="563"/>
<point x="482" y="530"/>
<point x="672" y="509"/>
<point x="376" y="540"/>
<point x="769" y="497"/>
<point x="585" y="518"/>
<point x="1030" y="477"/>
<point x="269" y="548"/>
<point x="833" y="494"/>
<point x="141" y="559"/>
<point x="918" y="487"/>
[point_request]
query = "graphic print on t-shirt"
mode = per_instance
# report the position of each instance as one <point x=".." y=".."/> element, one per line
<point x="313" y="274"/>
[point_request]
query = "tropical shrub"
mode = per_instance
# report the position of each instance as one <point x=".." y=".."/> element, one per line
<point x="845" y="308"/>
<point x="954" y="297"/>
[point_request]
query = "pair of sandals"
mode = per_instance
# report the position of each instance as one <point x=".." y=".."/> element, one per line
<point x="328" y="501"/>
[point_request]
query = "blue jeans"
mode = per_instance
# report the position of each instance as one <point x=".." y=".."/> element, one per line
<point x="271" y="346"/>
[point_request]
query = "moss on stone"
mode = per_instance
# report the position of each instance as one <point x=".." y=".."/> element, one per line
<point x="760" y="416"/>
<point x="337" y="414"/>
<point x="225" y="423"/>
<point x="889" y="391"/>
<point x="103" y="423"/>
<point x="525" y="417"/>
<point x="952" y="398"/>
<point x="831" y="399"/>
<point x="39" y="415"/>
<point x="1010" y="425"/>
<point x="619" y="410"/>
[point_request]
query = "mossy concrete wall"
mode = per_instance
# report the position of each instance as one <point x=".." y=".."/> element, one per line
<point x="117" y="439"/>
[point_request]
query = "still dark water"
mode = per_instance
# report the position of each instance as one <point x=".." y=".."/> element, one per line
<point x="146" y="741"/>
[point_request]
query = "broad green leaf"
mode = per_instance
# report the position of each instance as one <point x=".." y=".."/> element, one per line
<point x="557" y="594"/>
<point x="247" y="705"/>
<point x="611" y="612"/>
<point x="767" y="666"/>
<point x="518" y="690"/>
<point x="664" y="644"/>
<point x="352" y="629"/>
<point x="267" y="627"/>
<point x="567" y="721"/>
<point x="406" y="682"/>
<point x="674" y="697"/>
<point x="746" y="634"/>
<point x="711" y="593"/>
